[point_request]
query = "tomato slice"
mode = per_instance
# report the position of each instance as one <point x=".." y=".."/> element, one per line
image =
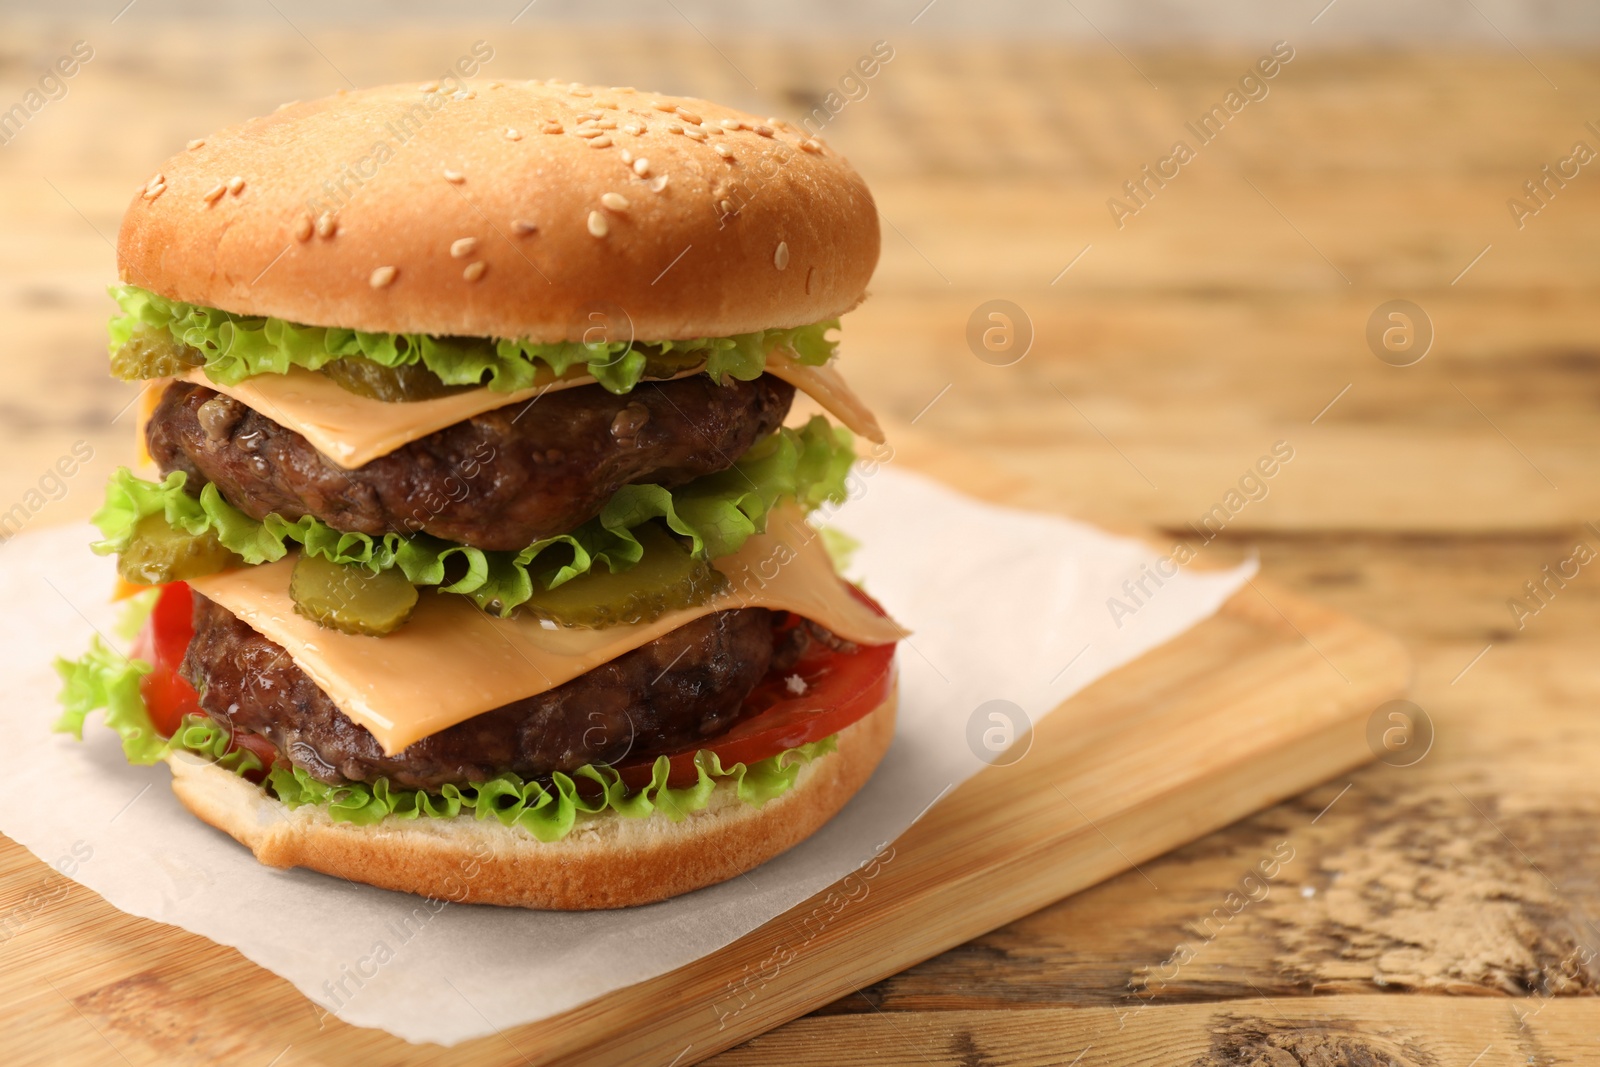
<point x="168" y="696"/>
<point x="833" y="690"/>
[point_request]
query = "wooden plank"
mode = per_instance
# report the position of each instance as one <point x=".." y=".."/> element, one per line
<point x="1395" y="1031"/>
<point x="1464" y="874"/>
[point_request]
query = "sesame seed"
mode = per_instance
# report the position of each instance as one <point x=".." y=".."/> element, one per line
<point x="634" y="128"/>
<point x="688" y="116"/>
<point x="454" y="176"/>
<point x="381" y="277"/>
<point x="662" y="105"/>
<point x="463" y="246"/>
<point x="811" y="144"/>
<point x="215" y="192"/>
<point x="235" y="185"/>
<point x="598" y="225"/>
<point x="428" y="87"/>
<point x="764" y="131"/>
<point x="673" y="127"/>
<point x="198" y="142"/>
<point x="587" y="116"/>
<point x="513" y="134"/>
<point x="608" y="124"/>
<point x="327" y="225"/>
<point x="589" y="131"/>
<point x="726" y="206"/>
<point x="523" y="226"/>
<point x="623" y="89"/>
<point x="153" y="191"/>
<point x="286" y="104"/>
<point x="627" y="156"/>
<point x="580" y="92"/>
<point x="156" y="179"/>
<point x="658" y="184"/>
<point x="496" y="84"/>
<point x="474" y="270"/>
<point x="302" y="228"/>
<point x="780" y="258"/>
<point x="641" y="167"/>
<point x="723" y="150"/>
<point x="610" y="104"/>
<point x="553" y="127"/>
<point x="695" y="133"/>
<point x="614" y="201"/>
<point x="601" y="142"/>
<point x="731" y="124"/>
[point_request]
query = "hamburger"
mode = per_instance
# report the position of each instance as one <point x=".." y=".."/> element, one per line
<point x="470" y="522"/>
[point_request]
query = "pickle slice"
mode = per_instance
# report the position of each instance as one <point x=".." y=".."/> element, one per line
<point x="349" y="598"/>
<point x="364" y="377"/>
<point x="659" y="364"/>
<point x="159" y="554"/>
<point x="666" y="578"/>
<point x="153" y="353"/>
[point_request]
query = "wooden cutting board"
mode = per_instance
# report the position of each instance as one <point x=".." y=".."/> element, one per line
<point x="1267" y="698"/>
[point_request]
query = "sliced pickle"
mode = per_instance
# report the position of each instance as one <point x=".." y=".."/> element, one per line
<point x="153" y="353"/>
<point x="667" y="578"/>
<point x="159" y="554"/>
<point x="349" y="598"/>
<point x="659" y="364"/>
<point x="364" y="377"/>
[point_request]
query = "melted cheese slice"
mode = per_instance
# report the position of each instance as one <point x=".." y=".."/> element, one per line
<point x="452" y="661"/>
<point x="827" y="387"/>
<point x="353" y="430"/>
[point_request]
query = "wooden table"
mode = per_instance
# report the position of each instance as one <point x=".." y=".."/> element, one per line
<point x="1431" y="914"/>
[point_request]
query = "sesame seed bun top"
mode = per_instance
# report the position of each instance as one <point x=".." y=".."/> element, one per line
<point x="508" y="209"/>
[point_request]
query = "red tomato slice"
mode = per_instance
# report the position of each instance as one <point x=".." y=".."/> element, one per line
<point x="838" y="688"/>
<point x="168" y="697"/>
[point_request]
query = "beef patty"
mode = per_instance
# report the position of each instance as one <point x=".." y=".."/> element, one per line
<point x="682" y="688"/>
<point x="494" y="481"/>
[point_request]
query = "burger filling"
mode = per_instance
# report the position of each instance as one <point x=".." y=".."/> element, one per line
<point x="673" y="694"/>
<point x="498" y="481"/>
<point x="595" y="506"/>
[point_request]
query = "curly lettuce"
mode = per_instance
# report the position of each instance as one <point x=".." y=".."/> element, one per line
<point x="549" y="810"/>
<point x="717" y="513"/>
<point x="237" y="347"/>
<point x="104" y="679"/>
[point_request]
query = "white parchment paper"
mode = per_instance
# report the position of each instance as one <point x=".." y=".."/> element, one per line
<point x="1003" y="605"/>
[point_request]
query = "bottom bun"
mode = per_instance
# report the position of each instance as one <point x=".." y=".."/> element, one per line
<point x="607" y="861"/>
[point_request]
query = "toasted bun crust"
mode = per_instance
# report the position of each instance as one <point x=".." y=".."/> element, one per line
<point x="606" y="862"/>
<point x="474" y="212"/>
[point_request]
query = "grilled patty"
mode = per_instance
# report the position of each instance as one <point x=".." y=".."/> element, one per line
<point x="666" y="696"/>
<point x="495" y="481"/>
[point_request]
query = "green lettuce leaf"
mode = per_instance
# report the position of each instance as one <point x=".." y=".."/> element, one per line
<point x="717" y="513"/>
<point x="104" y="679"/>
<point x="237" y="347"/>
<point x="549" y="810"/>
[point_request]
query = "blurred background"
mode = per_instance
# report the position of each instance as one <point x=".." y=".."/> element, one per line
<point x="1158" y="336"/>
<point x="1171" y="341"/>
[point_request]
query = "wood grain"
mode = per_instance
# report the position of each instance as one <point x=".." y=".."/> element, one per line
<point x="1187" y="343"/>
